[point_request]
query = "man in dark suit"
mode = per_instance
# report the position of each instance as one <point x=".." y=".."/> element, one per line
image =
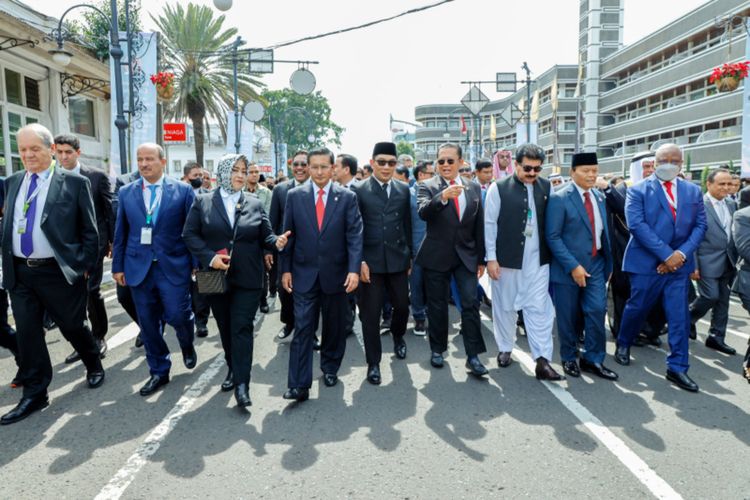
<point x="453" y="247"/>
<point x="67" y="152"/>
<point x="386" y="220"/>
<point x="741" y="239"/>
<point x="578" y="237"/>
<point x="150" y="257"/>
<point x="49" y="246"/>
<point x="744" y="196"/>
<point x="667" y="222"/>
<point x="7" y="332"/>
<point x="319" y="266"/>
<point x="301" y="174"/>
<point x="192" y="173"/>
<point x="716" y="261"/>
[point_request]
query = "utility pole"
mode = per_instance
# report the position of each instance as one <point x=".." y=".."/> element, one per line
<point x="525" y="67"/>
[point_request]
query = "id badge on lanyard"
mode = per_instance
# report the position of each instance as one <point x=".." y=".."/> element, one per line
<point x="529" y="232"/>
<point x="23" y="221"/>
<point x="147" y="232"/>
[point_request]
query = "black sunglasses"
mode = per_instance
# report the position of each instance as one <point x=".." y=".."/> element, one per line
<point x="299" y="164"/>
<point x="529" y="168"/>
<point x="449" y="161"/>
<point x="383" y="163"/>
<point x="464" y="170"/>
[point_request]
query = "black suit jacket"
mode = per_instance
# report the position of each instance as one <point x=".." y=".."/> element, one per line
<point x="102" y="197"/>
<point x="121" y="181"/>
<point x="447" y="240"/>
<point x="620" y="234"/>
<point x="68" y="222"/>
<point x="744" y="196"/>
<point x="386" y="225"/>
<point x="207" y="230"/>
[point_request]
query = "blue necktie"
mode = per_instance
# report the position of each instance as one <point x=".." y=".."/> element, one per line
<point x="151" y="204"/>
<point x="27" y="241"/>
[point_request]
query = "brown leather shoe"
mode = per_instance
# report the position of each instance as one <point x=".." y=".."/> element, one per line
<point x="545" y="372"/>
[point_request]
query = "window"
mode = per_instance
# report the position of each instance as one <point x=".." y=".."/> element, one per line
<point x="82" y="116"/>
<point x="32" y="93"/>
<point x="22" y="92"/>
<point x="176" y="165"/>
<point x="13" y="87"/>
<point x="210" y="165"/>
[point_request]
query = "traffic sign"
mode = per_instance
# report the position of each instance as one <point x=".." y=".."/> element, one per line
<point x="475" y="100"/>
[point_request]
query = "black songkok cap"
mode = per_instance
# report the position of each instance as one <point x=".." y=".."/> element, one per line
<point x="384" y="148"/>
<point x="584" y="159"/>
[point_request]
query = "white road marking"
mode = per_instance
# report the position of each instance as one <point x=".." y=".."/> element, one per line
<point x="637" y="466"/>
<point x="125" y="476"/>
<point x="729" y="330"/>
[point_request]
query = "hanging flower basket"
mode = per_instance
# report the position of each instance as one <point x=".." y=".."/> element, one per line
<point x="164" y="83"/>
<point x="727" y="77"/>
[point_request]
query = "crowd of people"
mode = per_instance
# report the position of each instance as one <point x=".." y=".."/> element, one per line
<point x="383" y="241"/>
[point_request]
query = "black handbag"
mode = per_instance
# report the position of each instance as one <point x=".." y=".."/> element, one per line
<point x="214" y="281"/>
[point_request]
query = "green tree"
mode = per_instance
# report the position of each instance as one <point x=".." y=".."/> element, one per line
<point x="405" y="148"/>
<point x="198" y="50"/>
<point x="704" y="178"/>
<point x="93" y="30"/>
<point x="296" y="117"/>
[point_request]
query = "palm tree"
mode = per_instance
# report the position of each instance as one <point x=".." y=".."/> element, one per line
<point x="199" y="52"/>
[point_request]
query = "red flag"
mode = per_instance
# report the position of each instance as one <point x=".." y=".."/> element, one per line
<point x="463" y="125"/>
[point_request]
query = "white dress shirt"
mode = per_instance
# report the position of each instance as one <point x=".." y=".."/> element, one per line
<point x="461" y="197"/>
<point x="674" y="191"/>
<point x="387" y="189"/>
<point x="722" y="210"/>
<point x="147" y="193"/>
<point x="42" y="248"/>
<point x="230" y="201"/>
<point x="597" y="216"/>
<point x="326" y="190"/>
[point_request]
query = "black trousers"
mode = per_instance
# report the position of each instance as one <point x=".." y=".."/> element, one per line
<point x="308" y="307"/>
<point x="372" y="297"/>
<point x="125" y="299"/>
<point x="714" y="296"/>
<point x="95" y="302"/>
<point x="620" y="286"/>
<point x="201" y="307"/>
<point x="234" y="312"/>
<point x="287" y="308"/>
<point x="438" y="287"/>
<point x="44" y="288"/>
<point x="7" y="334"/>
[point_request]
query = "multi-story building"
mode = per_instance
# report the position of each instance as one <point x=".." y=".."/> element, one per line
<point x="633" y="98"/>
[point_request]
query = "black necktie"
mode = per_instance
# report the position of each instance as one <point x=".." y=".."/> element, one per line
<point x="385" y="191"/>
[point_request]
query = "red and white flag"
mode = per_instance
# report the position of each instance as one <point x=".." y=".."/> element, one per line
<point x="463" y="125"/>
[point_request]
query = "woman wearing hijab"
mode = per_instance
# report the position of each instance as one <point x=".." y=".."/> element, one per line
<point x="228" y="231"/>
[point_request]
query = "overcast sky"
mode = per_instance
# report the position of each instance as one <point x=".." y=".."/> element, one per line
<point x="417" y="59"/>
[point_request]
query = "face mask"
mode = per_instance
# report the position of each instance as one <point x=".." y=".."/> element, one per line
<point x="667" y="171"/>
<point x="196" y="183"/>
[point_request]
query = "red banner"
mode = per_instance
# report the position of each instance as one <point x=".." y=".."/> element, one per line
<point x="175" y="132"/>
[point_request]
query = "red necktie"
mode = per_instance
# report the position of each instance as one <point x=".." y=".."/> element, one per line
<point x="320" y="208"/>
<point x="590" y="211"/>
<point x="455" y="202"/>
<point x="668" y="187"/>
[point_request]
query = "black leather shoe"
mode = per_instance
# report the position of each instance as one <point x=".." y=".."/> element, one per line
<point x="714" y="342"/>
<point x="746" y="373"/>
<point x="139" y="341"/>
<point x="693" y="332"/>
<point x="285" y="333"/>
<point x="153" y="384"/>
<point x="681" y="380"/>
<point x="476" y="367"/>
<point x="72" y="358"/>
<point x="316" y="344"/>
<point x="385" y="325"/>
<point x="228" y="383"/>
<point x="653" y="340"/>
<point x="330" y="379"/>
<point x="190" y="357"/>
<point x="297" y="394"/>
<point x="264" y="308"/>
<point x="420" y="328"/>
<point x="622" y="355"/>
<point x="201" y="332"/>
<point x="242" y="396"/>
<point x="598" y="369"/>
<point x="24" y="408"/>
<point x="504" y="360"/>
<point x="544" y="371"/>
<point x="17" y="381"/>
<point x="399" y="348"/>
<point x="101" y="344"/>
<point x="95" y="379"/>
<point x="436" y="360"/>
<point x="373" y="374"/>
<point x="49" y="324"/>
<point x="571" y="368"/>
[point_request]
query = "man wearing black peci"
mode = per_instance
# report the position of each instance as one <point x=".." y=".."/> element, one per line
<point x="386" y="217"/>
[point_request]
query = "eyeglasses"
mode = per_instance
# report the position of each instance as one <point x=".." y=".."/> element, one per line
<point x="449" y="161"/>
<point x="383" y="163"/>
<point x="529" y="168"/>
<point x="464" y="170"/>
<point x="299" y="164"/>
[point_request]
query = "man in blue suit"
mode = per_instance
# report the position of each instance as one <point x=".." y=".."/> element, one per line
<point x="667" y="222"/>
<point x="578" y="237"/>
<point x="150" y="257"/>
<point x="319" y="266"/>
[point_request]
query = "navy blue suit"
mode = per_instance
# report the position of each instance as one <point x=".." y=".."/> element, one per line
<point x="159" y="274"/>
<point x="319" y="261"/>
<point x="654" y="235"/>
<point x="570" y="239"/>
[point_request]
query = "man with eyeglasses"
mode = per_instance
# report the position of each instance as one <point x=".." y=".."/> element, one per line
<point x="301" y="174"/>
<point x="386" y="259"/>
<point x="453" y="247"/>
<point x="518" y="260"/>
<point x="465" y="172"/>
<point x="422" y="172"/>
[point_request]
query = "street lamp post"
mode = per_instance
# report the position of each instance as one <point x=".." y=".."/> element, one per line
<point x="62" y="56"/>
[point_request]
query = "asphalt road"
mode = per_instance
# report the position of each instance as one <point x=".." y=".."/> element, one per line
<point x="424" y="433"/>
